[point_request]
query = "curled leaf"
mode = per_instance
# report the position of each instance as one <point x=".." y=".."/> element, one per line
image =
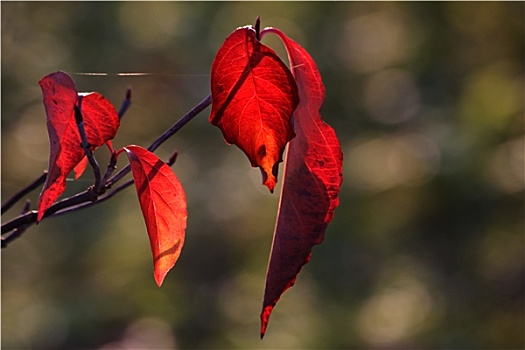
<point x="100" y="123"/>
<point x="253" y="97"/>
<point x="312" y="180"/>
<point x="163" y="204"/>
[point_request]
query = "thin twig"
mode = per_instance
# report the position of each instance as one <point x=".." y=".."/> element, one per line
<point x="173" y="158"/>
<point x="165" y="136"/>
<point x="182" y="121"/>
<point x="18" y="231"/>
<point x="100" y="199"/>
<point x="14" y="235"/>
<point x="23" y="192"/>
<point x="112" y="166"/>
<point x="125" y="104"/>
<point x="85" y="145"/>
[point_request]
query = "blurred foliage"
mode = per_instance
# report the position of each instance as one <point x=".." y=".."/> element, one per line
<point x="426" y="249"/>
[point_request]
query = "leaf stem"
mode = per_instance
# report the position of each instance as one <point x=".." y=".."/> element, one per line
<point x="257" y="28"/>
<point x="85" y="144"/>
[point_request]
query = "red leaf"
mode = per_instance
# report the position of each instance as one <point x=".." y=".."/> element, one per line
<point x="253" y="95"/>
<point x="100" y="122"/>
<point x="80" y="167"/>
<point x="312" y="180"/>
<point x="163" y="205"/>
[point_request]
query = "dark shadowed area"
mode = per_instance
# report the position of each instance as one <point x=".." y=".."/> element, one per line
<point x="426" y="249"/>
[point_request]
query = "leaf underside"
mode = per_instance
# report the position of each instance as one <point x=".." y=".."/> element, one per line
<point x="312" y="180"/>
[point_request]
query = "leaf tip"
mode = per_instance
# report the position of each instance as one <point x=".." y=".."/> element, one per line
<point x="163" y="264"/>
<point x="159" y="277"/>
<point x="40" y="211"/>
<point x="265" y="317"/>
<point x="270" y="184"/>
<point x="269" y="165"/>
<point x="269" y="179"/>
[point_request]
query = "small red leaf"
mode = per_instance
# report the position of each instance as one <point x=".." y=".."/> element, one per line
<point x="80" y="167"/>
<point x="163" y="205"/>
<point x="100" y="123"/>
<point x="253" y="95"/>
<point x="312" y="180"/>
<point x="101" y="120"/>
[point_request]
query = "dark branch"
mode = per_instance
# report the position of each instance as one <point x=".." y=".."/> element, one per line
<point x="14" y="228"/>
<point x="257" y="28"/>
<point x="173" y="158"/>
<point x="85" y="144"/>
<point x="18" y="231"/>
<point x="23" y="192"/>
<point x="165" y="136"/>
<point x="125" y="104"/>
<point x="182" y="121"/>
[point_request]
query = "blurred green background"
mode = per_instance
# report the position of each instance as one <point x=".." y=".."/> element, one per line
<point x="425" y="251"/>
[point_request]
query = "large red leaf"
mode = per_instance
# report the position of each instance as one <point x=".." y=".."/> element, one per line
<point x="312" y="180"/>
<point x="100" y="123"/>
<point x="163" y="205"/>
<point x="253" y="96"/>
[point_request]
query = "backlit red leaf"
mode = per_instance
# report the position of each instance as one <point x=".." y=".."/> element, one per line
<point x="100" y="122"/>
<point x="253" y="97"/>
<point x="312" y="180"/>
<point x="80" y="167"/>
<point x="163" y="204"/>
